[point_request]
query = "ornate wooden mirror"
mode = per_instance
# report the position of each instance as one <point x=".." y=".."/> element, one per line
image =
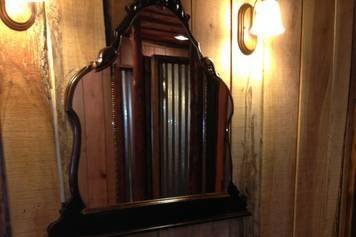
<point x="153" y="111"/>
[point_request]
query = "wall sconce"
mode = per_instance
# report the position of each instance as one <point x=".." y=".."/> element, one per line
<point x="18" y="14"/>
<point x="261" y="20"/>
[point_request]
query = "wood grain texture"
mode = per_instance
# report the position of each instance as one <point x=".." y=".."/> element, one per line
<point x="348" y="192"/>
<point x="95" y="140"/>
<point x="110" y="148"/>
<point x="117" y="11"/>
<point x="76" y="36"/>
<point x="326" y="54"/>
<point x="5" y="229"/>
<point x="247" y="123"/>
<point x="97" y="172"/>
<point x="281" y="82"/>
<point x="348" y="197"/>
<point x="29" y="150"/>
<point x="236" y="227"/>
<point x="211" y="28"/>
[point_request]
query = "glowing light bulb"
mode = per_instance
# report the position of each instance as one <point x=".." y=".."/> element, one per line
<point x="181" y="38"/>
<point x="268" y="19"/>
<point x="19" y="10"/>
<point x="29" y="1"/>
<point x="19" y="7"/>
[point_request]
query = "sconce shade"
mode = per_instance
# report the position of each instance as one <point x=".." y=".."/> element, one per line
<point x="268" y="19"/>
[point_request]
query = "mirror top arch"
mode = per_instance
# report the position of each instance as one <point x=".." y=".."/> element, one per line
<point x="108" y="55"/>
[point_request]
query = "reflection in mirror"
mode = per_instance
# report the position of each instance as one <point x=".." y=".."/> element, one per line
<point x="155" y="124"/>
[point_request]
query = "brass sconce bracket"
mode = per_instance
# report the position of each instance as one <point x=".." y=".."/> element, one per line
<point x="19" y="26"/>
<point x="247" y="41"/>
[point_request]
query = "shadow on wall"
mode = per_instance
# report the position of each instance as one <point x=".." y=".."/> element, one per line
<point x="5" y="230"/>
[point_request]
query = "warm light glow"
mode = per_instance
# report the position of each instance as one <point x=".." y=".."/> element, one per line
<point x="29" y="1"/>
<point x="268" y="19"/>
<point x="18" y="10"/>
<point x="181" y="38"/>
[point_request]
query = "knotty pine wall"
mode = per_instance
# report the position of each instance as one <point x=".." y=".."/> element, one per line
<point x="288" y="131"/>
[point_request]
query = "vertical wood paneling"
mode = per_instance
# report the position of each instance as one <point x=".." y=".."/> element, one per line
<point x="117" y="11"/>
<point x="211" y="28"/>
<point x="76" y="36"/>
<point x="111" y="162"/>
<point x="247" y="124"/>
<point x="326" y="44"/>
<point x="236" y="228"/>
<point x="281" y="81"/>
<point x="97" y="173"/>
<point x="5" y="229"/>
<point x="347" y="202"/>
<point x="347" y="205"/>
<point x="27" y="131"/>
<point x="95" y="140"/>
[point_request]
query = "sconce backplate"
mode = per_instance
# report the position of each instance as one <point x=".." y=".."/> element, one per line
<point x="247" y="41"/>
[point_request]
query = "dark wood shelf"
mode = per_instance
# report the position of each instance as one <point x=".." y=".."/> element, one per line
<point x="151" y="215"/>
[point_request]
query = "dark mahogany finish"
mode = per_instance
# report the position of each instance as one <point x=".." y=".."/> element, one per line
<point x="148" y="215"/>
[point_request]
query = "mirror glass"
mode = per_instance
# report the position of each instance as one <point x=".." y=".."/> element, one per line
<point x="155" y="124"/>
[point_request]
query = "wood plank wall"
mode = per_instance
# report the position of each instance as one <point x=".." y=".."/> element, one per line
<point x="76" y="38"/>
<point x="288" y="129"/>
<point x="323" y="98"/>
<point x="303" y="124"/>
<point x="347" y="206"/>
<point x="27" y="130"/>
<point x="5" y="230"/>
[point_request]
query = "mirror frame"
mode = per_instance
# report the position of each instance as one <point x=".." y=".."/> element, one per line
<point x="136" y="217"/>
